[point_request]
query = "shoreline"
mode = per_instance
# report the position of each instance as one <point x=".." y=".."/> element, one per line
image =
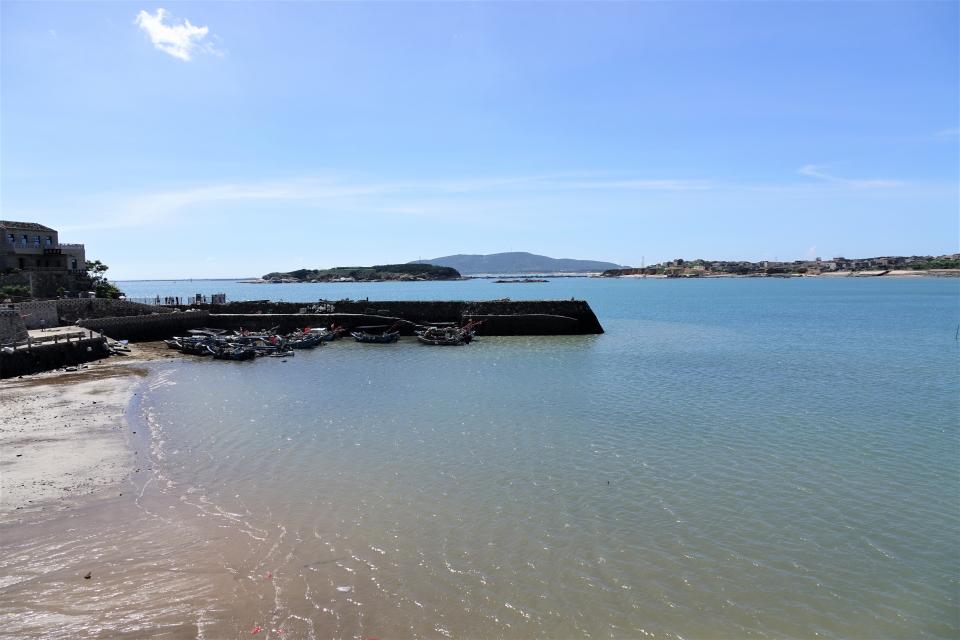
<point x="66" y="436"/>
<point x="88" y="539"/>
<point x="899" y="274"/>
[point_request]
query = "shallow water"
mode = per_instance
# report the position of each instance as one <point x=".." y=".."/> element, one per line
<point x="733" y="458"/>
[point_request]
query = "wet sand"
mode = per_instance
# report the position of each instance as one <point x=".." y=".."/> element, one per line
<point x="95" y="543"/>
<point x="64" y="437"/>
<point x="80" y="554"/>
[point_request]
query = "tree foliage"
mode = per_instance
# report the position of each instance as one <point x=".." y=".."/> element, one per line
<point x="103" y="287"/>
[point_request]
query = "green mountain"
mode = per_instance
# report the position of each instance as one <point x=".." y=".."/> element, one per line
<point x="517" y="262"/>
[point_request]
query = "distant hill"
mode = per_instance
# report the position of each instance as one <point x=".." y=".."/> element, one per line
<point x="418" y="271"/>
<point x="517" y="262"/>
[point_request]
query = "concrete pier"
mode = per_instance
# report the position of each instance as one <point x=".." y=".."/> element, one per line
<point x="500" y="317"/>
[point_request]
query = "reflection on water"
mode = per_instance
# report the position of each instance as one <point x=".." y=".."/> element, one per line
<point x="723" y="462"/>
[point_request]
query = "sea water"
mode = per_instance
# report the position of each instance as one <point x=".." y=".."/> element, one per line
<point x="733" y="458"/>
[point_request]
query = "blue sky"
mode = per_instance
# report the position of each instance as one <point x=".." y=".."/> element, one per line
<point x="260" y="137"/>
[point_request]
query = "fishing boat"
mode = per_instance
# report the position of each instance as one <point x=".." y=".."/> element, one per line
<point x="448" y="335"/>
<point x="376" y="338"/>
<point x="195" y="347"/>
<point x="304" y="341"/>
<point x="437" y="336"/>
<point x="206" y="331"/>
<point x="234" y="352"/>
<point x="327" y="335"/>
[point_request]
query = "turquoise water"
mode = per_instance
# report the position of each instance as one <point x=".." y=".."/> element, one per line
<point x="733" y="458"/>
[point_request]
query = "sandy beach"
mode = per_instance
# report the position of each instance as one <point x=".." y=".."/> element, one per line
<point x="81" y="553"/>
<point x="64" y="437"/>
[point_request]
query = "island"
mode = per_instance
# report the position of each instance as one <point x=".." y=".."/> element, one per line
<point x="515" y="262"/>
<point x="376" y="273"/>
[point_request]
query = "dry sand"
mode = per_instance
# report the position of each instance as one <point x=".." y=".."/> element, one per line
<point x="64" y="436"/>
<point x="80" y="554"/>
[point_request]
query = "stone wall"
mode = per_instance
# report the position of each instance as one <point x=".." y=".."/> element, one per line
<point x="73" y="309"/>
<point x="148" y="327"/>
<point x="15" y="278"/>
<point x="46" y="284"/>
<point x="460" y="311"/>
<point x="505" y="317"/>
<point x="12" y="328"/>
<point x="51" y="356"/>
<point x="38" y="315"/>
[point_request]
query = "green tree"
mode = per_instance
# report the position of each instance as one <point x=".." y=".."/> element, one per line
<point x="11" y="290"/>
<point x="103" y="287"/>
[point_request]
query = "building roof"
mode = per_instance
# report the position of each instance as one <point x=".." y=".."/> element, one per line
<point x="32" y="226"/>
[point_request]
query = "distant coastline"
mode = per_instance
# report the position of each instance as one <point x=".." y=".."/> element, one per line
<point x="945" y="265"/>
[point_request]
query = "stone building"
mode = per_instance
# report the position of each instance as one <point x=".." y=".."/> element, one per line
<point x="31" y="254"/>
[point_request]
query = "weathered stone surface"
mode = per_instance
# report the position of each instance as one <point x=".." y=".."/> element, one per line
<point x="148" y="327"/>
<point x="527" y="317"/>
<point x="12" y="328"/>
<point x="51" y="356"/>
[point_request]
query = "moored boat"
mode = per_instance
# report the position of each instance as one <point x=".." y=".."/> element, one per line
<point x="438" y="336"/>
<point x="234" y="352"/>
<point x="375" y="338"/>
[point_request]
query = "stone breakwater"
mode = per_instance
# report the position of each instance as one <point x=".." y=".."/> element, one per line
<point x="500" y="317"/>
<point x="47" y="356"/>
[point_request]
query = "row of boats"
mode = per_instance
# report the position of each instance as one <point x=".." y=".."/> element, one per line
<point x="246" y="345"/>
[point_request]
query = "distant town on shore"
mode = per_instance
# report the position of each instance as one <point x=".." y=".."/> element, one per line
<point x="934" y="265"/>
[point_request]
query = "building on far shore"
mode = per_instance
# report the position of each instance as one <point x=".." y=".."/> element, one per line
<point x="31" y="255"/>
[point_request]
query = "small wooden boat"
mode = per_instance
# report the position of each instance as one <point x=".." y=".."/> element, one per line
<point x="206" y="331"/>
<point x="444" y="337"/>
<point x="445" y="341"/>
<point x="305" y="341"/>
<point x="195" y="348"/>
<point x="376" y="338"/>
<point x="328" y="335"/>
<point x="234" y="352"/>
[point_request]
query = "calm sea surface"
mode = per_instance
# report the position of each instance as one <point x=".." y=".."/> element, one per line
<point x="733" y="458"/>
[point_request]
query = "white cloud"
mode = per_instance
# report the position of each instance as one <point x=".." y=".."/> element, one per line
<point x="408" y="198"/>
<point x="815" y="171"/>
<point x="947" y="134"/>
<point x="179" y="40"/>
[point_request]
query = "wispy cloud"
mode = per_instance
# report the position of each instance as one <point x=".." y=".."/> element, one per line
<point x="816" y="171"/>
<point x="408" y="198"/>
<point x="639" y="185"/>
<point x="947" y="134"/>
<point x="181" y="41"/>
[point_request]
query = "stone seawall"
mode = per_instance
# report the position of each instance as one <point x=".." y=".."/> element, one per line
<point x="51" y="356"/>
<point x="38" y="315"/>
<point x="500" y="318"/>
<point x="73" y="309"/>
<point x="151" y="327"/>
<point x="503" y="317"/>
<point x="12" y="328"/>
